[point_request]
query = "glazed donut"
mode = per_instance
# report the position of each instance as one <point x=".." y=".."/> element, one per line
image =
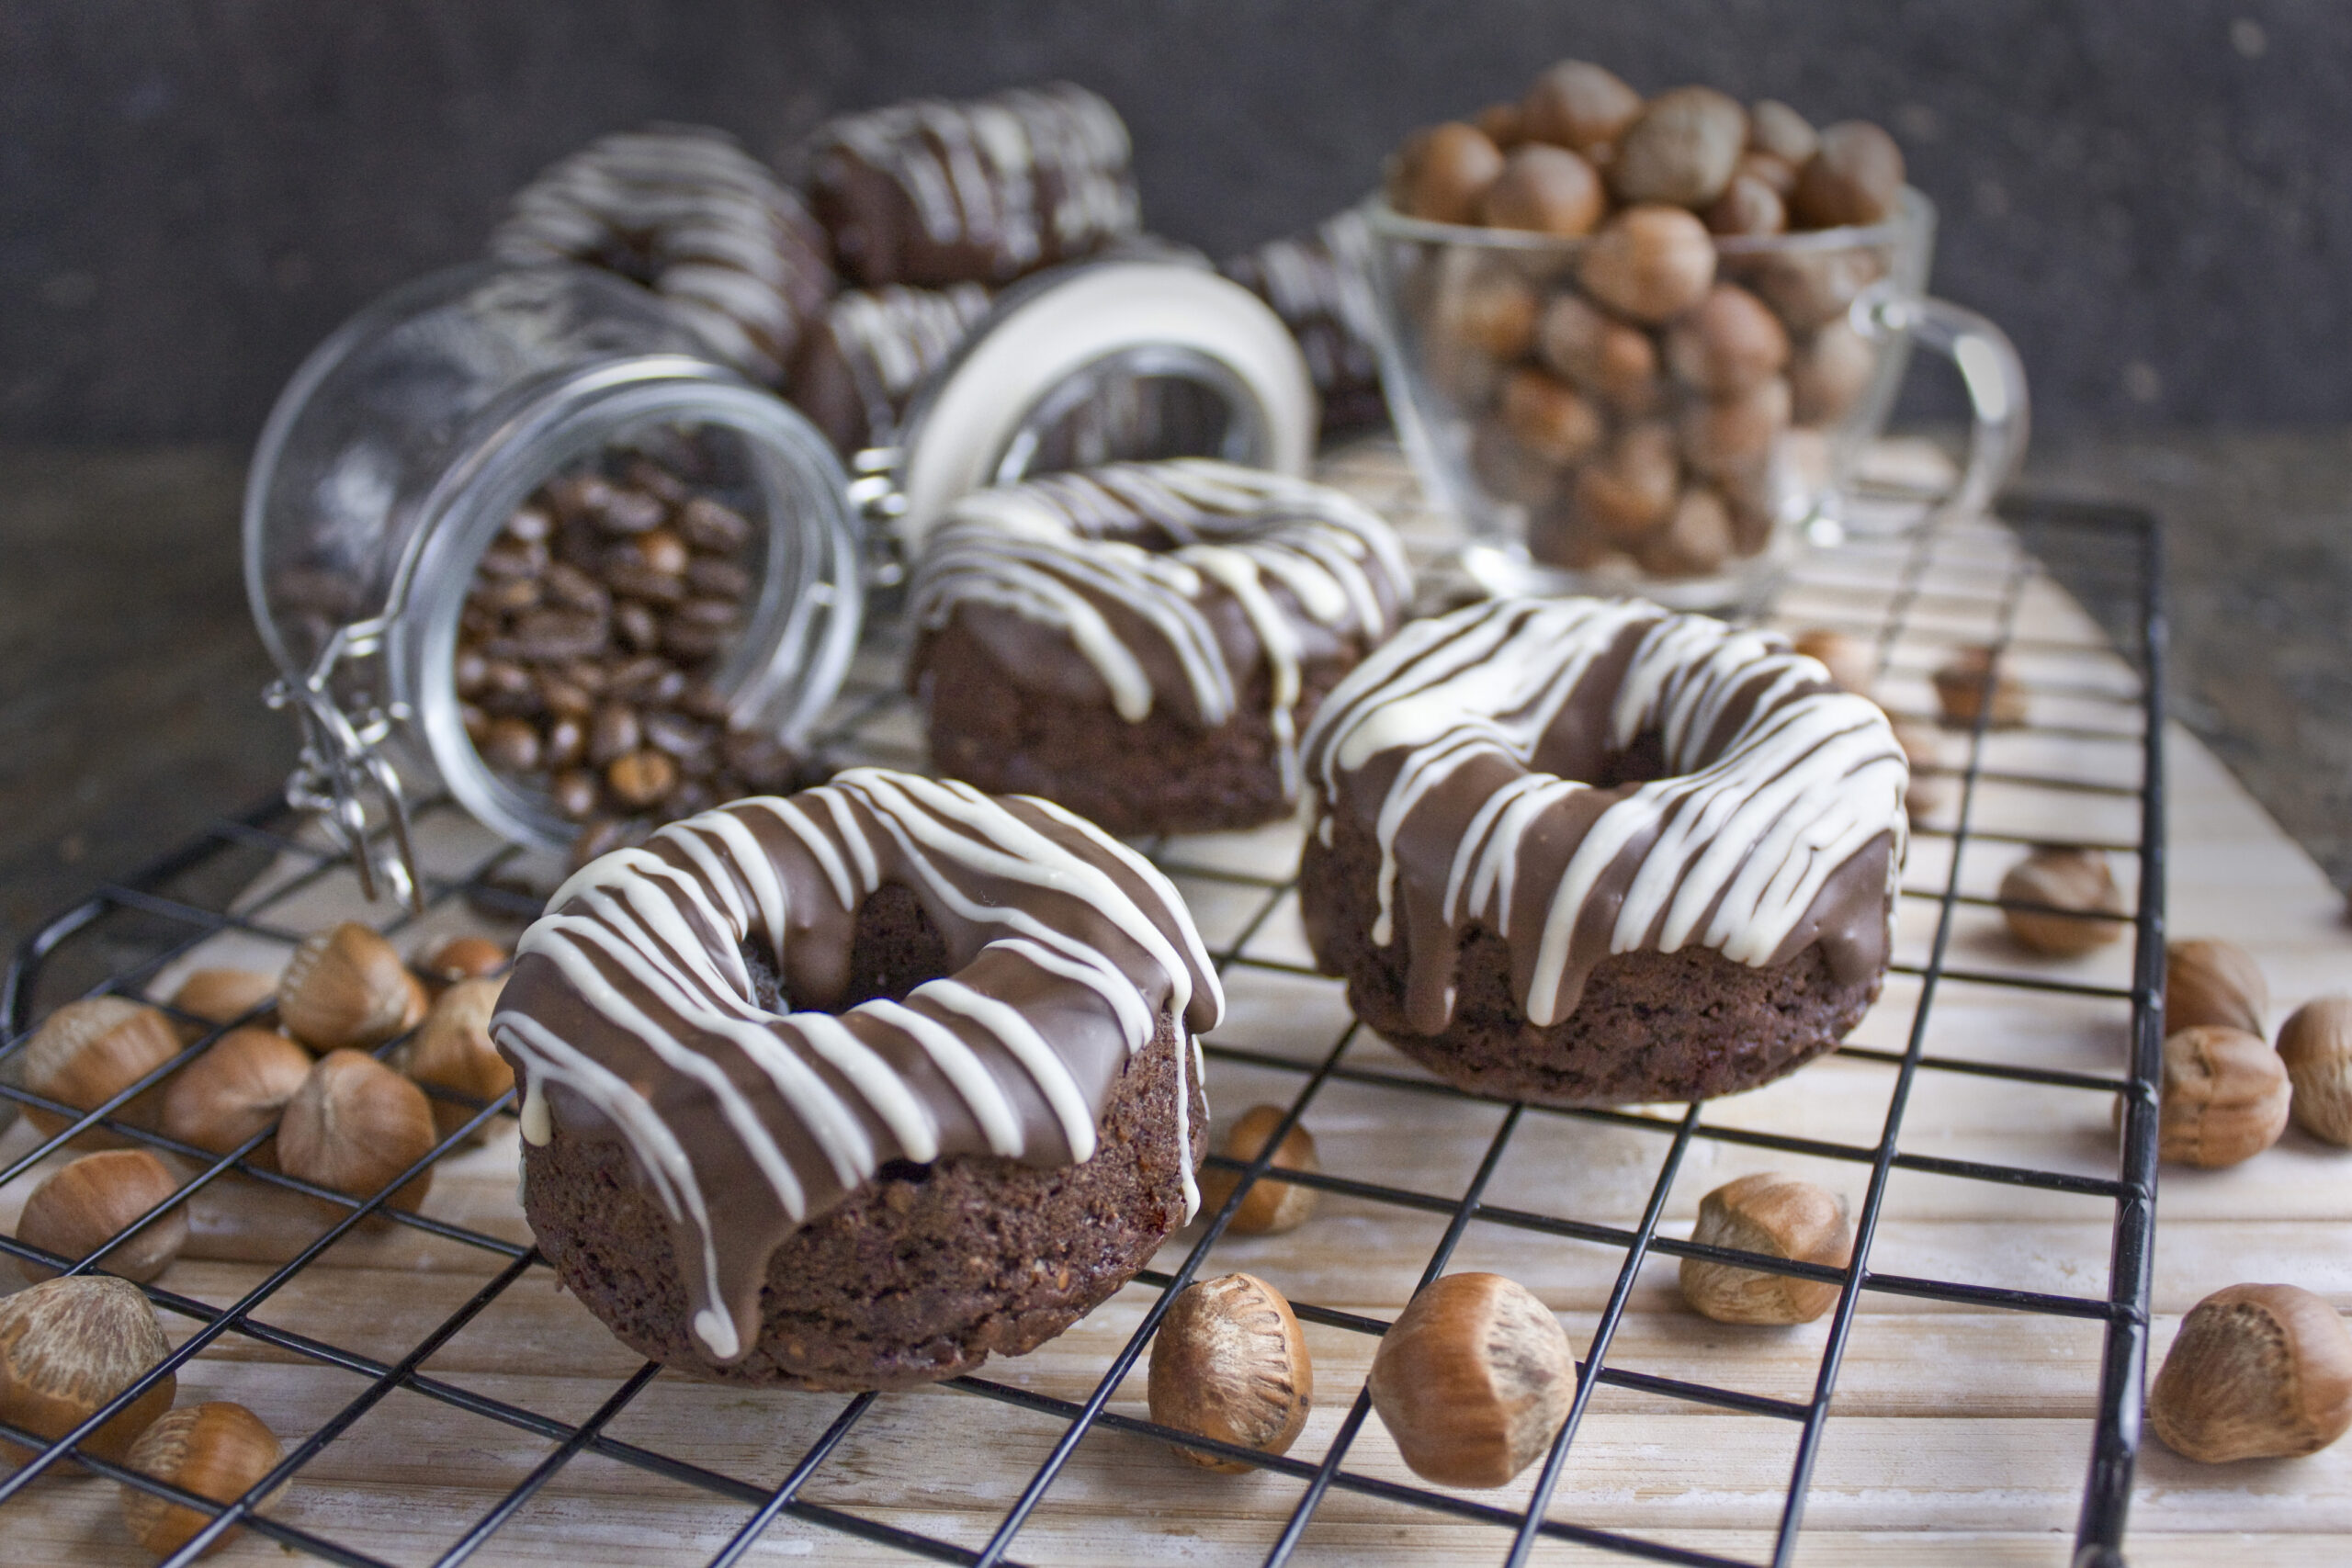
<point x="1587" y="852"/>
<point x="1313" y="286"/>
<point x="1143" y="641"/>
<point x="870" y="351"/>
<point x="930" y="192"/>
<point x="687" y="212"/>
<point x="850" y="1088"/>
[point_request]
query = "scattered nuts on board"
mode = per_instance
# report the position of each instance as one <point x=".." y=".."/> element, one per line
<point x="2256" y="1371"/>
<point x="1851" y="662"/>
<point x="1473" y="1379"/>
<point x="465" y="958"/>
<point x="1779" y="1216"/>
<point x="1929" y="790"/>
<point x="1962" y="686"/>
<point x="88" y="1052"/>
<point x="83" y="1205"/>
<point x="451" y="1050"/>
<point x="2079" y="908"/>
<point x="347" y="989"/>
<point x="217" y="1450"/>
<point x="68" y="1346"/>
<point x="2224" y="1097"/>
<point x="223" y="996"/>
<point x="2315" y="1044"/>
<point x="236" y="1088"/>
<point x="353" y="1125"/>
<point x="2211" y="981"/>
<point x="1229" y="1362"/>
<point x="1271" y="1207"/>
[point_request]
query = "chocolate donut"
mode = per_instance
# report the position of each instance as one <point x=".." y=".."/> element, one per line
<point x="689" y="214"/>
<point x="1311" y="286"/>
<point x="871" y="350"/>
<point x="930" y="192"/>
<point x="1590" y="853"/>
<point x="852" y="1087"/>
<point x="1143" y="641"/>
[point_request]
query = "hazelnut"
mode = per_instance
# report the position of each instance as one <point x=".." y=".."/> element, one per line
<point x="84" y="1204"/>
<point x="1778" y="131"/>
<point x="234" y="1091"/>
<point x="1779" y="1216"/>
<point x="463" y="957"/>
<point x="1503" y="124"/>
<point x="2210" y="981"/>
<point x="1697" y="538"/>
<point x="1682" y="150"/>
<point x="1547" y="190"/>
<point x="223" y="996"/>
<point x="1975" y="674"/>
<point x="215" y="1449"/>
<point x="67" y="1347"/>
<point x="2315" y="1042"/>
<point x="1492" y="312"/>
<point x="642" y="778"/>
<point x="1509" y="472"/>
<point x="1271" y="1207"/>
<point x="1548" y="417"/>
<point x="2256" y="1371"/>
<point x="88" y="1052"/>
<point x="1729" y="344"/>
<point x="1749" y="205"/>
<point x="451" y="1050"/>
<point x="1724" y="436"/>
<point x="354" y="1126"/>
<point x="346" y="989"/>
<point x="1849" y="660"/>
<point x="2223" y="1099"/>
<point x="1230" y="1364"/>
<point x="1580" y="104"/>
<point x="2080" y="908"/>
<point x="1923" y="751"/>
<point x="1829" y="372"/>
<point x="1473" y="1380"/>
<point x="1776" y="174"/>
<point x="1809" y="288"/>
<point x="1649" y="263"/>
<point x="1609" y="360"/>
<point x="1440" y="172"/>
<point x="1855" y="177"/>
<point x="1633" y="488"/>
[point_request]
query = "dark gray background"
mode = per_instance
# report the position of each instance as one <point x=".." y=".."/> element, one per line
<point x="2155" y="198"/>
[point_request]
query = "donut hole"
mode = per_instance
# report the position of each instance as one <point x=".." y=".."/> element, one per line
<point x="893" y="948"/>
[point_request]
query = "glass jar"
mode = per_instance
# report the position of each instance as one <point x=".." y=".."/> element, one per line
<point x="400" y="452"/>
<point x="1592" y="441"/>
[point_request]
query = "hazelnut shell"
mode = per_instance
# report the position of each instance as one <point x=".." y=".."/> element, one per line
<point x="67" y="1347"/>
<point x="1649" y="263"/>
<point x="2256" y="1371"/>
<point x="236" y="1088"/>
<point x="2055" y="879"/>
<point x="346" y="989"/>
<point x="1578" y="103"/>
<point x="1229" y="1362"/>
<point x="2223" y="1099"/>
<point x="2315" y="1044"/>
<point x="1271" y="1207"/>
<point x="88" y="1052"/>
<point x="2208" y="980"/>
<point x="1778" y="1217"/>
<point x="353" y="1125"/>
<point x="217" y="1450"/>
<point x="86" y="1204"/>
<point x="451" y="1050"/>
<point x="1473" y="1379"/>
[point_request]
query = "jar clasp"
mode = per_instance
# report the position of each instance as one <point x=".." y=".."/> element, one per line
<point x="343" y="764"/>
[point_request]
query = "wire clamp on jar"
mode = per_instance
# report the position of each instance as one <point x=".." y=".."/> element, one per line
<point x="341" y="763"/>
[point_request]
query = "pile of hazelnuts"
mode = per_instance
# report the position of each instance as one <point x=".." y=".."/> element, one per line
<point x="1635" y="391"/>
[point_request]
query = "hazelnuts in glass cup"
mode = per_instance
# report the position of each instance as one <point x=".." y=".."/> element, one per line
<point x="1638" y="345"/>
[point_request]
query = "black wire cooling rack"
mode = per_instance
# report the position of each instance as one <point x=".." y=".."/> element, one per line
<point x="1952" y="581"/>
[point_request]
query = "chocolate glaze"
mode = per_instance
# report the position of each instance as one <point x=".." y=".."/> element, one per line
<point x="1585" y="777"/>
<point x="632" y="1014"/>
<point x="685" y="211"/>
<point x="861" y="367"/>
<point x="1168" y="582"/>
<point x="979" y="191"/>
<point x="1329" y="308"/>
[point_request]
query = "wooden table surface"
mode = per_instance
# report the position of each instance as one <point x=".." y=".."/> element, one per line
<point x="1957" y="1435"/>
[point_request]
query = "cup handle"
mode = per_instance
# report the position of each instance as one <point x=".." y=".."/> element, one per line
<point x="1988" y="367"/>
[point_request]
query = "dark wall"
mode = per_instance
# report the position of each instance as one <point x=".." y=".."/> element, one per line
<point x="2156" y="197"/>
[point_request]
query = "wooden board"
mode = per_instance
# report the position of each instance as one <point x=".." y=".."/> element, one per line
<point x="1959" y="1435"/>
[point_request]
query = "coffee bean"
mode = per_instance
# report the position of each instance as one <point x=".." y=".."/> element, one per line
<point x="699" y="627"/>
<point x="576" y="793"/>
<point x="663" y="551"/>
<point x="658" y="482"/>
<point x="505" y="596"/>
<point x="675" y="733"/>
<point x="566" y="744"/>
<point x="630" y="511"/>
<point x="557" y="633"/>
<point x="712" y="577"/>
<point x="560" y="697"/>
<point x="476" y="721"/>
<point x="574" y="589"/>
<point x="602" y="836"/>
<point x="760" y="761"/>
<point x="639" y="628"/>
<point x="519" y="559"/>
<point x="613" y="733"/>
<point x="703" y="700"/>
<point x="579" y="495"/>
<point x="589" y="674"/>
<point x="692" y="797"/>
<point x="467" y="671"/>
<point x="641" y="779"/>
<point x="511" y="746"/>
<point x="707" y="525"/>
<point x="507" y="687"/>
<point x="531" y="524"/>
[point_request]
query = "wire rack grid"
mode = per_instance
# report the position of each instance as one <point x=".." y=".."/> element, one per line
<point x="259" y="883"/>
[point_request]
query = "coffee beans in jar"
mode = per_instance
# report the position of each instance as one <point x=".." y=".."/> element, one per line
<point x="589" y="636"/>
<point x="1652" y="387"/>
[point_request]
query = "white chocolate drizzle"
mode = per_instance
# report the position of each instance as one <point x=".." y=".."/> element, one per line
<point x="1063" y="552"/>
<point x="1067" y="951"/>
